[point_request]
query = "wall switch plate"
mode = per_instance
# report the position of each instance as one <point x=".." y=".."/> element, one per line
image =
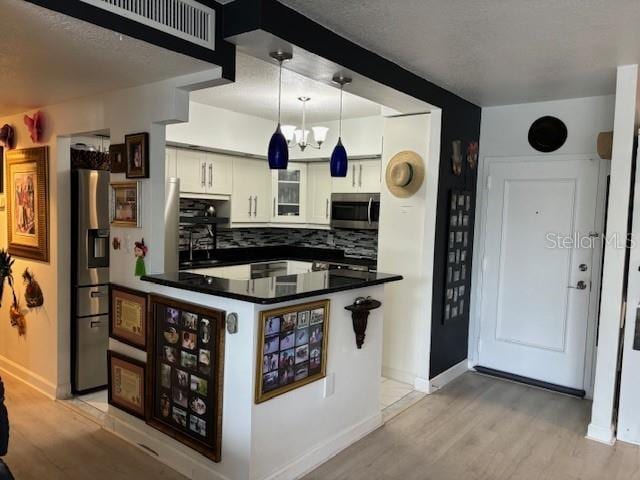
<point x="329" y="385"/>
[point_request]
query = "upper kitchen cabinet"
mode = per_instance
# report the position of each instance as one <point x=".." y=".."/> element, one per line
<point x="250" y="197"/>
<point x="204" y="172"/>
<point x="364" y="176"/>
<point x="289" y="194"/>
<point x="318" y="193"/>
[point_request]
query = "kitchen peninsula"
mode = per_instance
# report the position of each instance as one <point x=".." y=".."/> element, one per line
<point x="301" y="402"/>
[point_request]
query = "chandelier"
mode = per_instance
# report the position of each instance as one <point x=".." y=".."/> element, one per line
<point x="300" y="137"/>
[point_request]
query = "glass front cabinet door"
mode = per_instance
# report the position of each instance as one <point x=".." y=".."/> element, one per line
<point x="289" y="194"/>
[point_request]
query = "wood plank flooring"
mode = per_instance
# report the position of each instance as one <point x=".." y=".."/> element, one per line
<point x="481" y="428"/>
<point x="50" y="441"/>
<point x="476" y="428"/>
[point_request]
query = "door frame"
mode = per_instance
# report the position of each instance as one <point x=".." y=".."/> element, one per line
<point x="477" y="276"/>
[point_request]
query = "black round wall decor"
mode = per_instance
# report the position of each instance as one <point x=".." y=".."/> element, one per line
<point x="547" y="134"/>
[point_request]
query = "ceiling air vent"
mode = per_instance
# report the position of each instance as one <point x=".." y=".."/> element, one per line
<point x="186" y="19"/>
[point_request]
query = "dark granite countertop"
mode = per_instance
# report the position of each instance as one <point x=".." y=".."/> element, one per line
<point x="270" y="290"/>
<point x="240" y="256"/>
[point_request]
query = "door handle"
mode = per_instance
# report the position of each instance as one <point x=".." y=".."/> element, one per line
<point x="353" y="177"/>
<point x="326" y="214"/>
<point x="203" y="176"/>
<point x="274" y="206"/>
<point x="360" y="180"/>
<point x="581" y="285"/>
<point x="249" y="205"/>
<point x="211" y="174"/>
<point x="255" y="206"/>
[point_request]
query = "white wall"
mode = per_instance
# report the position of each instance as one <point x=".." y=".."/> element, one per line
<point x="626" y="123"/>
<point x="222" y="129"/>
<point x="406" y="247"/>
<point x="41" y="357"/>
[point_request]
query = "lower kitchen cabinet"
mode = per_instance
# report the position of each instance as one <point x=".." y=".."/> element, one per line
<point x="251" y="193"/>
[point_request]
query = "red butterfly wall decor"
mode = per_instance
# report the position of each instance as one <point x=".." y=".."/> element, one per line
<point x="35" y="125"/>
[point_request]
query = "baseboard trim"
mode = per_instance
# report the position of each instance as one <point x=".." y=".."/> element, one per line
<point x="422" y="385"/>
<point x="601" y="434"/>
<point x="440" y="380"/>
<point x="315" y="457"/>
<point x="530" y="381"/>
<point x="166" y="450"/>
<point x="30" y="379"/>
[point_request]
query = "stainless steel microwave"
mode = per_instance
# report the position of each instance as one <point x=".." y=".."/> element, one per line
<point x="355" y="210"/>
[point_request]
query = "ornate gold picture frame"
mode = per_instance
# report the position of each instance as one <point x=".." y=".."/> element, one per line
<point x="27" y="203"/>
<point x="292" y="348"/>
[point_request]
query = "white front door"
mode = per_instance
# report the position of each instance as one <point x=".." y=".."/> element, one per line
<point x="537" y="280"/>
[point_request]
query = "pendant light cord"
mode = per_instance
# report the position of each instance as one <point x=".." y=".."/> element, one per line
<point x="279" y="92"/>
<point x="340" y="128"/>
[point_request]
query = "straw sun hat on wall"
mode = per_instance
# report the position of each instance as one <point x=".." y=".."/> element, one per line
<point x="405" y="174"/>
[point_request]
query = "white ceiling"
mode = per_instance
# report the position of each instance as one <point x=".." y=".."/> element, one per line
<point x="495" y="52"/>
<point x="48" y="58"/>
<point x="255" y="92"/>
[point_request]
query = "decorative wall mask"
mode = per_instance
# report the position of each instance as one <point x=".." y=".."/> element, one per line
<point x="140" y="251"/>
<point x="6" y="274"/>
<point x="8" y="136"/>
<point x="35" y="125"/>
<point x="456" y="157"/>
<point x="116" y="243"/>
<point x="33" y="293"/>
<point x="472" y="155"/>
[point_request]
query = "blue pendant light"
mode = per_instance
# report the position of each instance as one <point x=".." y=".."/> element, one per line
<point x="339" y="164"/>
<point x="278" y="153"/>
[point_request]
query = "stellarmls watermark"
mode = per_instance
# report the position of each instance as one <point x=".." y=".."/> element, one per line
<point x="588" y="240"/>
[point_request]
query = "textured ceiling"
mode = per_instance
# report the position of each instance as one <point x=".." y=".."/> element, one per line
<point x="494" y="52"/>
<point x="255" y="92"/>
<point x="48" y="58"/>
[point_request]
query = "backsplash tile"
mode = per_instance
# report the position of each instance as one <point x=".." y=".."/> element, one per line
<point x="355" y="243"/>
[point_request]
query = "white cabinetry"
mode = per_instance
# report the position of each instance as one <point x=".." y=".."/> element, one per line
<point x="364" y="176"/>
<point x="171" y="159"/>
<point x="289" y="190"/>
<point x="204" y="172"/>
<point x="318" y="193"/>
<point x="250" y="197"/>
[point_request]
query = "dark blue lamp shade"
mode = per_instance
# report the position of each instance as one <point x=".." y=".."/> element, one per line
<point x="278" y="154"/>
<point x="338" y="164"/>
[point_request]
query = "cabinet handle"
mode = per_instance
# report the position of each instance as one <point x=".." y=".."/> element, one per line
<point x="203" y="176"/>
<point x="353" y="176"/>
<point x="369" y="210"/>
<point x="327" y="209"/>
<point x="211" y="174"/>
<point x="360" y="182"/>
<point x="255" y="206"/>
<point x="274" y="206"/>
<point x="249" y="205"/>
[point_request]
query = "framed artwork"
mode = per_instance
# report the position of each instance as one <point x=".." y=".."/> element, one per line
<point x="185" y="376"/>
<point x="127" y="379"/>
<point x="137" y="152"/>
<point x="117" y="158"/>
<point x="27" y="180"/>
<point x="125" y="204"/>
<point x="292" y="348"/>
<point x="128" y="316"/>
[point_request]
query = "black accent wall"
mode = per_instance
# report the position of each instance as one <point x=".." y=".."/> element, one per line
<point x="460" y="121"/>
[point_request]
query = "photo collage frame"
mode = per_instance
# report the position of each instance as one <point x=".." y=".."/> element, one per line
<point x="459" y="243"/>
<point x="186" y="359"/>
<point x="292" y="348"/>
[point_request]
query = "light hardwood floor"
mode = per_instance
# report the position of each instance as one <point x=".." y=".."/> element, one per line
<point x="50" y="441"/>
<point x="480" y="428"/>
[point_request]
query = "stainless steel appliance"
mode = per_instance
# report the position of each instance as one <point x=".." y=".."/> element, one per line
<point x="89" y="278"/>
<point x="355" y="210"/>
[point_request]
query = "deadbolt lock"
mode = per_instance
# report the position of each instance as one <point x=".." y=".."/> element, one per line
<point x="583" y="267"/>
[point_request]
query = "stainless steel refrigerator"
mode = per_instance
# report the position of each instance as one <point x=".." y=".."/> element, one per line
<point x="89" y="279"/>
